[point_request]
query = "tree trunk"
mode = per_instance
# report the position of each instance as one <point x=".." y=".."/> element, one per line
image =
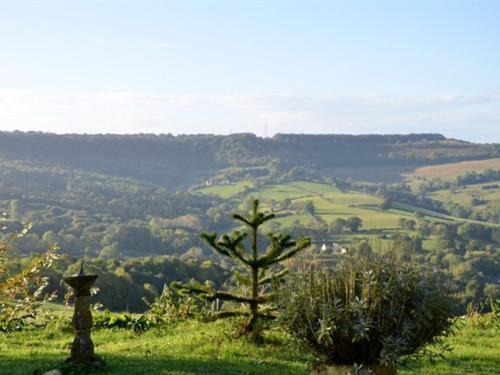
<point x="251" y="327"/>
<point x="254" y="306"/>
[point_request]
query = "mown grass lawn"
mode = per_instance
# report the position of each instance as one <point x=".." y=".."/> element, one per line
<point x="186" y="348"/>
<point x="210" y="348"/>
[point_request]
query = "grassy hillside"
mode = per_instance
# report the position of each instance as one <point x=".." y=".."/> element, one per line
<point x="468" y="189"/>
<point x="330" y="203"/>
<point x="450" y="171"/>
<point x="209" y="348"/>
<point x="466" y="194"/>
<point x="227" y="190"/>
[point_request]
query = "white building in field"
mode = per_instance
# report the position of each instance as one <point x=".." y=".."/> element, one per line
<point x="335" y="249"/>
<point x="339" y="249"/>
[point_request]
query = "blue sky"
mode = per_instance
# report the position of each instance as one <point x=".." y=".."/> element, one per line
<point x="238" y="66"/>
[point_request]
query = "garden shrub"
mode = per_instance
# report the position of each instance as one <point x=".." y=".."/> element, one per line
<point x="366" y="310"/>
<point x="484" y="320"/>
<point x="174" y="305"/>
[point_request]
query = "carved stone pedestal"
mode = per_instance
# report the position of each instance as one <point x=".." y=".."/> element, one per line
<point x="82" y="348"/>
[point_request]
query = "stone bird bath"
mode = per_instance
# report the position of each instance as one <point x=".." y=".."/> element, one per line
<point x="82" y="348"/>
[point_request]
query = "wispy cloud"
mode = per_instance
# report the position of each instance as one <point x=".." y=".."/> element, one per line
<point x="469" y="117"/>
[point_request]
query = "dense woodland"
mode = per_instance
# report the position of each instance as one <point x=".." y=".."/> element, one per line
<point x="131" y="204"/>
<point x="180" y="161"/>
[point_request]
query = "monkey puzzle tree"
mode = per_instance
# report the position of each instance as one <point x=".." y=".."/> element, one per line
<point x="243" y="247"/>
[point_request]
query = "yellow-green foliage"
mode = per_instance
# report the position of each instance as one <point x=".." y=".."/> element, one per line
<point x="22" y="293"/>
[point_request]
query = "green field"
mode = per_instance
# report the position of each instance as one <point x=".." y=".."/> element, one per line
<point x="465" y="195"/>
<point x="228" y="190"/>
<point x="330" y="203"/>
<point x="210" y="348"/>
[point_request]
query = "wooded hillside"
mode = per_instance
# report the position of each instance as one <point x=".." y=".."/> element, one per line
<point x="180" y="161"/>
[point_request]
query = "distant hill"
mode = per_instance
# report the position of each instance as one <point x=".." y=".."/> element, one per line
<point x="117" y="197"/>
<point x="180" y="161"/>
<point x="139" y="194"/>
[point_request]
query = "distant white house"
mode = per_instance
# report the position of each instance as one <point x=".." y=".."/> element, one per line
<point x="336" y="248"/>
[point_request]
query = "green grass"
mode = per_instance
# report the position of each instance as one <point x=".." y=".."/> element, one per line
<point x="464" y="195"/>
<point x="210" y="348"/>
<point x="473" y="197"/>
<point x="332" y="203"/>
<point x="475" y="351"/>
<point x="289" y="220"/>
<point x="228" y="190"/>
<point x="186" y="348"/>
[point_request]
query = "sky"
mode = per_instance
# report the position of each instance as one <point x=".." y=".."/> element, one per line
<point x="264" y="67"/>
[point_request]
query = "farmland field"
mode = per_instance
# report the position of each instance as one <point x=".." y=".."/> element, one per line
<point x="464" y="195"/>
<point x="450" y="171"/>
<point x="228" y="190"/>
<point x="330" y="203"/>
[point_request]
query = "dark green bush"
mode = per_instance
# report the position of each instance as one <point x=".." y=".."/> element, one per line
<point x="108" y="319"/>
<point x="169" y="307"/>
<point x="137" y="323"/>
<point x="368" y="310"/>
<point x="173" y="305"/>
